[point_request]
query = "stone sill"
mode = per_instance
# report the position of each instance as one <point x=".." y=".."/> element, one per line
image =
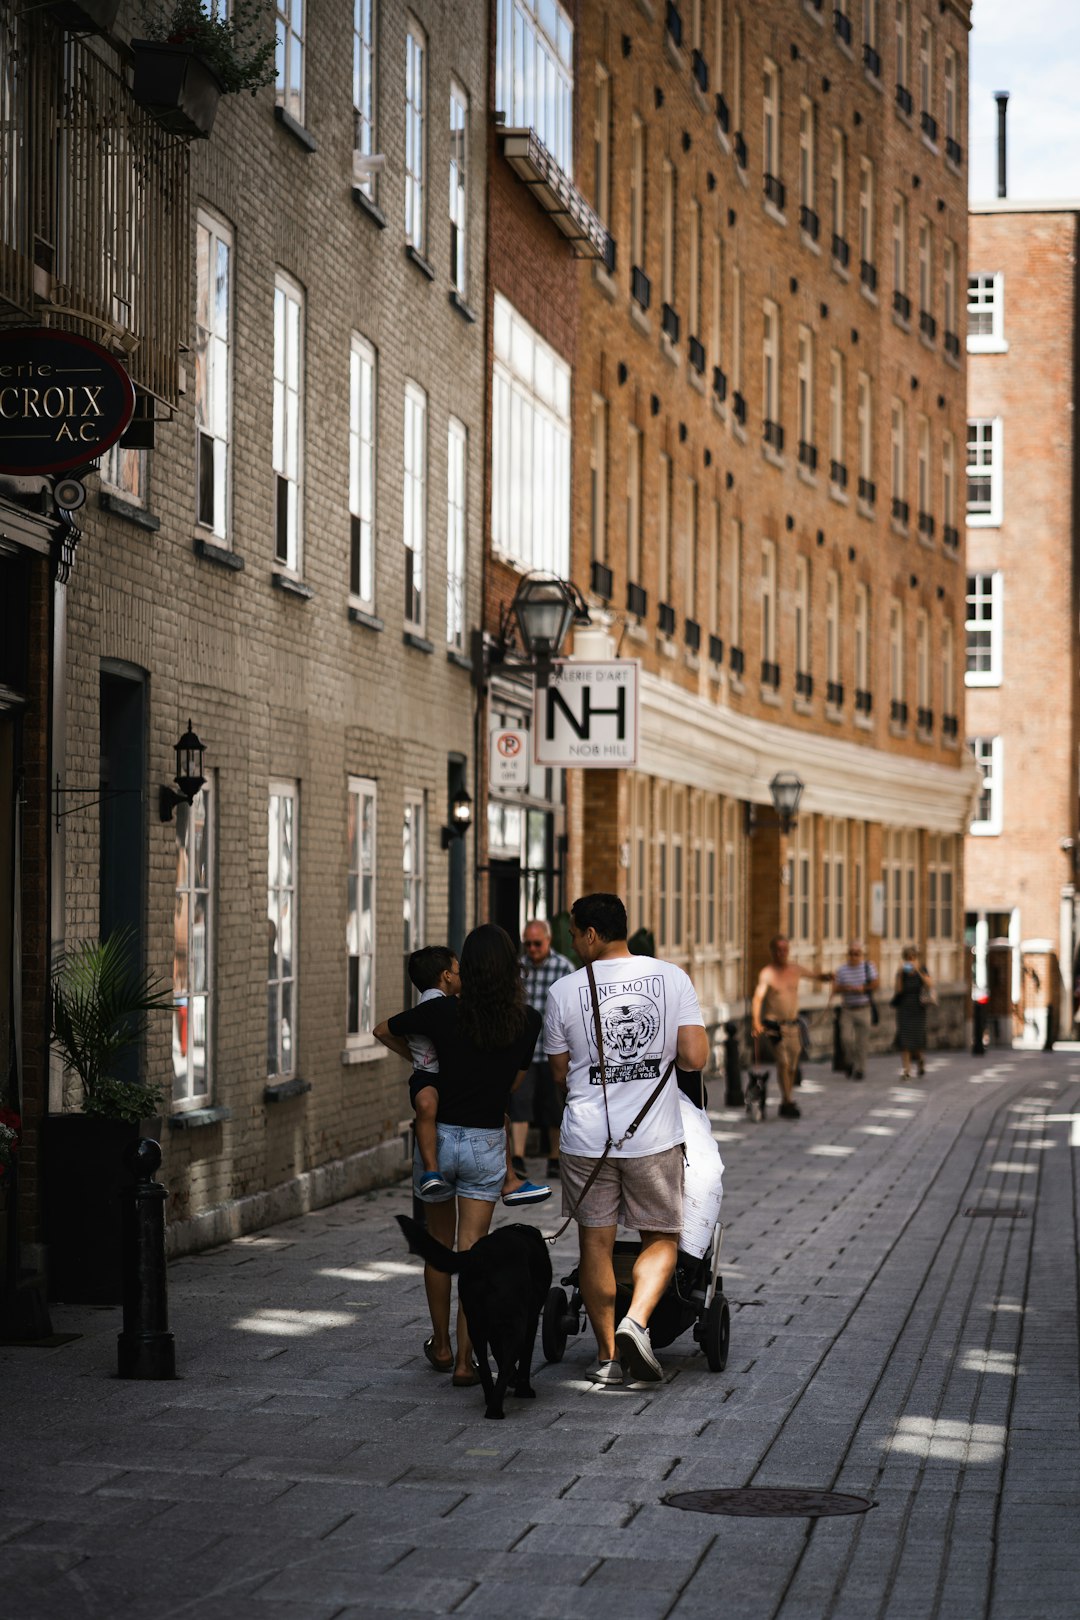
<point x="302" y="136"/>
<point x="371" y="209"/>
<point x="127" y="510"/>
<point x="364" y="1054"/>
<point x="459" y="659"/>
<point x="692" y="662"/>
<point x="896" y="730"/>
<point x="839" y="271"/>
<point x="670" y="351"/>
<point x="871" y="297"/>
<point x="209" y="551"/>
<point x="640" y="319"/>
<point x="720" y="408"/>
<point x="369" y="621"/>
<point x="280" y="1091"/>
<point x="737" y="429"/>
<point x="771" y="697"/>
<point x="899" y="529"/>
<point x="199" y="1118"/>
<point x="467" y="314"/>
<point x="665" y="646"/>
<point x="806" y="476"/>
<point x="420" y="643"/>
<point x="414" y="256"/>
<point x="834" y="714"/>
<point x="772" y="457"/>
<point x="736" y="685"/>
<point x="774" y="213"/>
<point x="696" y="380"/>
<point x="864" y="722"/>
<point x="808" y="242"/>
<point x="803" y="705"/>
<point x="607" y="284"/>
<point x="865" y="510"/>
<point x="291" y="586"/>
<point x="637" y="632"/>
<point x="840" y="496"/>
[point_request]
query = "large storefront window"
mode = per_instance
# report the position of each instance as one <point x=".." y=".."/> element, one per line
<point x="191" y="951"/>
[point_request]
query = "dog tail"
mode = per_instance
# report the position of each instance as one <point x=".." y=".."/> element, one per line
<point x="428" y="1248"/>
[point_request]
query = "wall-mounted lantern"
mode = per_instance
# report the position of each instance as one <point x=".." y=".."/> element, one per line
<point x="189" y="776"/>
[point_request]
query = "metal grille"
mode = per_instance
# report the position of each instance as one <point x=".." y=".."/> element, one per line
<point x="763" y="1502"/>
<point x="93" y="202"/>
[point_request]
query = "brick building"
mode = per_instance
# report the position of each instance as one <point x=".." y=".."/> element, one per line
<point x="292" y="568"/>
<point x="770" y="402"/>
<point x="1022" y="656"/>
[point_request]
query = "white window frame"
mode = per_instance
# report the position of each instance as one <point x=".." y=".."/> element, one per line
<point x="897" y="661"/>
<point x="926" y="266"/>
<point x="948" y="670"/>
<point x="987" y="463"/>
<point x="923" y="475"/>
<point x="188" y="1022"/>
<point x="291" y="67"/>
<point x="667" y="236"/>
<point x="530" y="519"/>
<point x="834" y="863"/>
<point x="836" y="408"/>
<point x="716" y="336"/>
<point x="736" y="329"/>
<point x="457" y="494"/>
<point x="213" y="374"/>
<point x="983" y="617"/>
<point x="768" y="602"/>
<point x="833" y="621"/>
<point x="807" y="156"/>
<point x="362" y="872"/>
<point x="598" y="421"/>
<point x="602" y="144"/>
<point x="664" y="501"/>
<point x="801" y="919"/>
<point x="951" y="99"/>
<point x="414" y="505"/>
<point x="948" y="281"/>
<point x="693" y="550"/>
<point x="459" y="189"/>
<point x="633" y="504"/>
<point x="638" y="139"/>
<point x="802" y="615"/>
<point x="926" y="66"/>
<point x="413" y="873"/>
<point x="804" y="388"/>
<point x="363" y="438"/>
<point x="838" y="183"/>
<point x="866" y="211"/>
<point x="923" y="687"/>
<point x="870" y="22"/>
<point x="288" y="422"/>
<point x="898" y="450"/>
<point x="770" y="362"/>
<point x="693" y="300"/>
<point x="986" y="295"/>
<point x="770" y="118"/>
<point x="865" y="414"/>
<point x="989" y="757"/>
<point x="542" y="97"/>
<point x="948" y="481"/>
<point x="716" y="568"/>
<point x="735" y="582"/>
<point x="365" y="91"/>
<point x="903" y="43"/>
<point x="415" y="136"/>
<point x="276" y="982"/>
<point x="899" y="240"/>
<point x="862" y="637"/>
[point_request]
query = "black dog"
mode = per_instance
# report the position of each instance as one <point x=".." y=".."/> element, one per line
<point x="503" y="1282"/>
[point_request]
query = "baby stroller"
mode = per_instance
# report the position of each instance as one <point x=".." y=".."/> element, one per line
<point x="694" y="1298"/>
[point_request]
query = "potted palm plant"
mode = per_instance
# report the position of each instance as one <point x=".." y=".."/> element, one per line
<point x="101" y="1005"/>
<point x="192" y="53"/>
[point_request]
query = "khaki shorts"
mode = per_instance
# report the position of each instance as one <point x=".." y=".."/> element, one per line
<point x="645" y="1193"/>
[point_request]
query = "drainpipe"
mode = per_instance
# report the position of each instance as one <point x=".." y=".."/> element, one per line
<point x="1002" y="99"/>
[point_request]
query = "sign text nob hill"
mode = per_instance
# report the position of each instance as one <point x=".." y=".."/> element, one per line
<point x="587" y="715"/>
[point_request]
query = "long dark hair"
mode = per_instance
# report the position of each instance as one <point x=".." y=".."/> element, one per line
<point x="492" y="996"/>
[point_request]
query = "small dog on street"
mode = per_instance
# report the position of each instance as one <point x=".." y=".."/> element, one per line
<point x="503" y="1282"/>
<point x="756" y="1082"/>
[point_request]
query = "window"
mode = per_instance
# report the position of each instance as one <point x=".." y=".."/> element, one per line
<point x="365" y="95"/>
<point x="948" y="488"/>
<point x="805" y="394"/>
<point x="288" y="421"/>
<point x="281" y="910"/>
<point x="362" y="473"/>
<point x="833" y="883"/>
<point x="923" y="697"/>
<point x="693" y="302"/>
<point x="633" y="504"/>
<point x="923" y="476"/>
<point x="768" y="602"/>
<point x="716" y="337"/>
<point x="737" y="71"/>
<point x="770" y="111"/>
<point x="832" y="631"/>
<point x="838" y="191"/>
<point x="602" y="145"/>
<point x="948" y="673"/>
<point x="951" y="103"/>
<point x="637" y="192"/>
<point x="866" y="212"/>
<point x="896" y="658"/>
<point x="836" y="414"/>
<point x="926" y="268"/>
<point x="862" y="638"/>
<point x="415" y="136"/>
<point x="716" y="575"/>
<point x="289" y="88"/>
<point x="898" y="447"/>
<point x="988" y="812"/>
<point x="457" y="448"/>
<point x="663" y="528"/>
<point x="986" y="312"/>
<point x="127" y="473"/>
<point x="598" y="479"/>
<point x="770" y="363"/>
<point x="692" y="549"/>
<point x="903" y="61"/>
<point x="984" y="472"/>
<point x="530" y="484"/>
<point x="900" y="867"/>
<point x="192" y="950"/>
<point x="926" y="67"/>
<point x="948" y="260"/>
<point x="534" y="73"/>
<point x="870" y="23"/>
<point x="667" y="243"/>
<point x="899" y="236"/>
<point x="800" y="884"/>
<point x="414" y="506"/>
<point x="802" y="617"/>
<point x="360" y="912"/>
<point x="940" y="904"/>
<point x="459" y="191"/>
<point x="866" y="435"/>
<point x="413" y="874"/>
<point x="735" y="553"/>
<point x="807" y="121"/>
<point x="982" y="628"/>
<point x="213" y="379"/>
<point x="736" y="328"/>
<point x="641" y="844"/>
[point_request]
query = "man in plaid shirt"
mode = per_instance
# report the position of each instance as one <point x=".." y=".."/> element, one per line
<point x="536" y="1100"/>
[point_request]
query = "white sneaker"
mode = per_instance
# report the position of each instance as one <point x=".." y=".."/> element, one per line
<point x="635" y="1353"/>
<point x="606" y="1372"/>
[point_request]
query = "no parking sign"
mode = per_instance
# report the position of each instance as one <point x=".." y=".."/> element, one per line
<point x="508" y="758"/>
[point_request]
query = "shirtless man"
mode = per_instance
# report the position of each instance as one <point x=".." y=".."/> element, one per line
<point x="777" y="999"/>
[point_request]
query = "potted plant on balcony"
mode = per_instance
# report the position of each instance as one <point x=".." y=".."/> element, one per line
<point x="191" y="54"/>
<point x="101" y="1004"/>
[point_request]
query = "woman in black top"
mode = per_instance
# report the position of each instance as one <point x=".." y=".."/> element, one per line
<point x="484" y="1040"/>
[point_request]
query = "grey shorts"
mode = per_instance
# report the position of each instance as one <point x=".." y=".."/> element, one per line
<point x="645" y="1194"/>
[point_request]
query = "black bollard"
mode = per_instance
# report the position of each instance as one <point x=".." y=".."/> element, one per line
<point x="978" y="1028"/>
<point x="145" y="1348"/>
<point x="733" y="1091"/>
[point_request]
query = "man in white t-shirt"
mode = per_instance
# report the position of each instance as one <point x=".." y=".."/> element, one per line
<point x="650" y="1019"/>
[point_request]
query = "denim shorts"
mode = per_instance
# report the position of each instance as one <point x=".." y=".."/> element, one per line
<point x="471" y="1159"/>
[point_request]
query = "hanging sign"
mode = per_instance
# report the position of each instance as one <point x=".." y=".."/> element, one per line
<point x="508" y="758"/>
<point x="63" y="400"/>
<point x="587" y="715"/>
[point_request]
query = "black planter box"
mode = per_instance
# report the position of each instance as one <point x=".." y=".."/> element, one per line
<point x="85" y="16"/>
<point x="176" y="87"/>
<point x="84" y="1174"/>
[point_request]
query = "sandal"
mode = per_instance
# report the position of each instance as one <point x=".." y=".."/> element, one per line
<point x="439" y="1366"/>
<point x="465" y="1380"/>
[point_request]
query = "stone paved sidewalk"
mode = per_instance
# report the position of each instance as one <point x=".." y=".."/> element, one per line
<point x="309" y="1464"/>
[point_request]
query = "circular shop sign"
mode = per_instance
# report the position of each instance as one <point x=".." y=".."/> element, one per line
<point x="63" y="400"/>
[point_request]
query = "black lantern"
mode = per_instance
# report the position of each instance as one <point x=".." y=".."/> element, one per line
<point x="545" y="607"/>
<point x="189" y="776"/>
<point x="786" y="790"/>
<point x="460" y="818"/>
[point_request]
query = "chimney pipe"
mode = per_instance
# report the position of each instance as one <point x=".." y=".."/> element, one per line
<point x="1002" y="99"/>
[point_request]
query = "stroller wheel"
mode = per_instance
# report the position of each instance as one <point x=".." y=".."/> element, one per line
<point x="716" y="1333"/>
<point x="553" y="1328"/>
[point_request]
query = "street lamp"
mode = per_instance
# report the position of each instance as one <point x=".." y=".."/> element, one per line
<point x="786" y="790"/>
<point x="189" y="776"/>
<point x="545" y="607"/>
<point x="460" y="818"/>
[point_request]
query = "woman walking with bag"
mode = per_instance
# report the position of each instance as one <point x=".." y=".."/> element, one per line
<point x="914" y="992"/>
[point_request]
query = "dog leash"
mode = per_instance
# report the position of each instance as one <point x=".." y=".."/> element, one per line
<point x="665" y="1077"/>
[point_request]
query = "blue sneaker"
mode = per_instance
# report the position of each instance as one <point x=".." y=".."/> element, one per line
<point x="432" y="1185"/>
<point x="527" y="1193"/>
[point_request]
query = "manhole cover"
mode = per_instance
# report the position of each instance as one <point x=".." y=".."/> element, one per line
<point x="1002" y="1214"/>
<point x="763" y="1502"/>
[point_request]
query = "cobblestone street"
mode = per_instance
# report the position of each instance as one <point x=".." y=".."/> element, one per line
<point x="884" y="1342"/>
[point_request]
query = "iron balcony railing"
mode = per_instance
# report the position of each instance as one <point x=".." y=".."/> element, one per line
<point x="665" y="619"/>
<point x="716" y="649"/>
<point x="94" y="202"/>
<point x="692" y="634"/>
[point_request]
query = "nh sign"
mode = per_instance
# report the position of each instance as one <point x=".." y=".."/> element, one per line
<point x="587" y="715"/>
